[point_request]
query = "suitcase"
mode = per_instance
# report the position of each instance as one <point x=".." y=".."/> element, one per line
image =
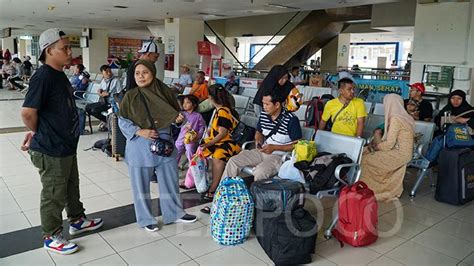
<point x="288" y="239"/>
<point x="276" y="195"/>
<point x="455" y="176"/>
<point x="118" y="140"/>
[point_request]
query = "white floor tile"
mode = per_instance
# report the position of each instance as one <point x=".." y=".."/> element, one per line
<point x="92" y="190"/>
<point x="385" y="261"/>
<point x="469" y="260"/>
<point x="437" y="240"/>
<point x="125" y="197"/>
<point x="33" y="217"/>
<point x="332" y="250"/>
<point x="231" y="256"/>
<point x="13" y="222"/>
<point x="428" y="202"/>
<point x="129" y="236"/>
<point x="158" y="252"/>
<point x="91" y="247"/>
<point x="415" y="214"/>
<point x="252" y="246"/>
<point x="168" y="230"/>
<point x="404" y="228"/>
<point x="195" y="243"/>
<point x="102" y="175"/>
<point x="99" y="203"/>
<point x="8" y="205"/>
<point x="319" y="261"/>
<point x="464" y="215"/>
<point x="411" y="253"/>
<point x="189" y="263"/>
<point x="33" y="257"/>
<point x="115" y="185"/>
<point x="25" y="190"/>
<point x="29" y="202"/>
<point x="28" y="179"/>
<point x="109" y="260"/>
<point x="456" y="228"/>
<point x="385" y="244"/>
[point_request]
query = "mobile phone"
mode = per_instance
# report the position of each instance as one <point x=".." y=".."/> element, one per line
<point x="259" y="145"/>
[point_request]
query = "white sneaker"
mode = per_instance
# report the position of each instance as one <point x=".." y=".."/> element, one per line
<point x="57" y="243"/>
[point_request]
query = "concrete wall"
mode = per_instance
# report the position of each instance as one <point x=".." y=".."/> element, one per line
<point x="399" y="14"/>
<point x="258" y="25"/>
<point x="97" y="53"/>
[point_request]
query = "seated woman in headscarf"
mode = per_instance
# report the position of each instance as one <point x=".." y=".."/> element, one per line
<point x="277" y="78"/>
<point x="384" y="164"/>
<point x="457" y="105"/>
<point x="146" y="114"/>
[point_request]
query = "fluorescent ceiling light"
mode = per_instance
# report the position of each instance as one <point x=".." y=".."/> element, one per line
<point x="282" y="6"/>
<point x="210" y="15"/>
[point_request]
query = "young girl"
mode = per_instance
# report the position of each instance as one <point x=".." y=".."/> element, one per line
<point x="192" y="131"/>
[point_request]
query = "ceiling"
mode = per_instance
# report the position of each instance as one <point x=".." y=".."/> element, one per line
<point x="32" y="16"/>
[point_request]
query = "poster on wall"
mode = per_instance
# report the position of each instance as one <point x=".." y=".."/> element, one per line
<point x="124" y="48"/>
<point x="74" y="40"/>
<point x="171" y="45"/>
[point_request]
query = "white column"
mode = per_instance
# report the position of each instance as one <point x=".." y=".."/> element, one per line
<point x="181" y="36"/>
<point x="8" y="43"/>
<point x="96" y="54"/>
<point x="335" y="54"/>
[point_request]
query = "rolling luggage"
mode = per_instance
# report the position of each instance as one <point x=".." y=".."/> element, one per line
<point x="455" y="176"/>
<point x="118" y="140"/>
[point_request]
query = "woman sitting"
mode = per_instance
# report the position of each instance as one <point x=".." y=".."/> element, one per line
<point x="219" y="145"/>
<point x="146" y="114"/>
<point x="384" y="164"/>
<point x="457" y="105"/>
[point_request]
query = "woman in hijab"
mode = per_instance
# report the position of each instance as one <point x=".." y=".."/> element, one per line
<point x="276" y="78"/>
<point x="384" y="164"/>
<point x="457" y="105"/>
<point x="146" y="114"/>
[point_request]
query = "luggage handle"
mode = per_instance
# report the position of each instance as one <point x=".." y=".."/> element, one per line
<point x="359" y="185"/>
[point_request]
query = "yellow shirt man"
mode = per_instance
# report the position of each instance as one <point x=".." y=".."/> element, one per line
<point x="346" y="121"/>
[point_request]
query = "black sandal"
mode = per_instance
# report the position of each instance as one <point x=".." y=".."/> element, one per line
<point x="206" y="210"/>
<point x="208" y="196"/>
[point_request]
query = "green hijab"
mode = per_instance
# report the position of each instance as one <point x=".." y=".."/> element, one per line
<point x="161" y="102"/>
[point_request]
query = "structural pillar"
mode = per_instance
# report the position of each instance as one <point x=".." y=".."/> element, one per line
<point x="335" y="55"/>
<point x="181" y="37"/>
<point x="8" y="43"/>
<point x="98" y="51"/>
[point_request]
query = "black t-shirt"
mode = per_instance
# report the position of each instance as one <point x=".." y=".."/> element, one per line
<point x="27" y="65"/>
<point x="425" y="108"/>
<point x="58" y="122"/>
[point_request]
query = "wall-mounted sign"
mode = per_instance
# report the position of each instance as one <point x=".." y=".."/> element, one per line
<point x="171" y="45"/>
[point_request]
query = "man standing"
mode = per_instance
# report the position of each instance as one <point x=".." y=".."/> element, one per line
<point x="49" y="111"/>
<point x="416" y="106"/>
<point x="346" y="113"/>
<point x="149" y="52"/>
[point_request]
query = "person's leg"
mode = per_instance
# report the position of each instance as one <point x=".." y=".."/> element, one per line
<point x="179" y="150"/>
<point x="97" y="110"/>
<point x="140" y="179"/>
<point x="74" y="207"/>
<point x="217" y="170"/>
<point x="268" y="167"/>
<point x="53" y="193"/>
<point x="14" y="83"/>
<point x="190" y="150"/>
<point x="170" y="200"/>
<point x="244" y="158"/>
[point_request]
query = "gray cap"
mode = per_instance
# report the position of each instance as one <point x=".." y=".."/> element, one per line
<point x="149" y="47"/>
<point x="49" y="37"/>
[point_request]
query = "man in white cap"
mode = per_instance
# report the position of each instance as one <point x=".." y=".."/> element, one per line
<point x="49" y="112"/>
<point x="149" y="52"/>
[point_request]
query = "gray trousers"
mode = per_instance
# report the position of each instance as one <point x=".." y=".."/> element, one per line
<point x="170" y="202"/>
<point x="265" y="165"/>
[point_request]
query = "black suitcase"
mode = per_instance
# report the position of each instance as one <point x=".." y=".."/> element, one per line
<point x="455" y="176"/>
<point x="118" y="140"/>
<point x="276" y="195"/>
<point x="288" y="239"/>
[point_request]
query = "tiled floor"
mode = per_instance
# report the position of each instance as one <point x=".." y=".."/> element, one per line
<point x="413" y="232"/>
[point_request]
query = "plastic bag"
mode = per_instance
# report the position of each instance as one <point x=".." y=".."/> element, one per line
<point x="304" y="150"/>
<point x="198" y="166"/>
<point x="289" y="171"/>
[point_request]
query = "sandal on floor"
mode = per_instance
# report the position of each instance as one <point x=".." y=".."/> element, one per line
<point x="209" y="196"/>
<point x="206" y="210"/>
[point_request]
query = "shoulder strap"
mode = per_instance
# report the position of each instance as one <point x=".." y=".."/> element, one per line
<point x="110" y="83"/>
<point x="275" y="129"/>
<point x="343" y="107"/>
<point x="465" y="113"/>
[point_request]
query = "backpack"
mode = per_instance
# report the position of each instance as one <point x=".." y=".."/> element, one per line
<point x="357" y="220"/>
<point x="315" y="109"/>
<point x="320" y="173"/>
<point x="231" y="212"/>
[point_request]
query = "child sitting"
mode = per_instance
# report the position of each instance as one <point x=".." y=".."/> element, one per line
<point x="191" y="132"/>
